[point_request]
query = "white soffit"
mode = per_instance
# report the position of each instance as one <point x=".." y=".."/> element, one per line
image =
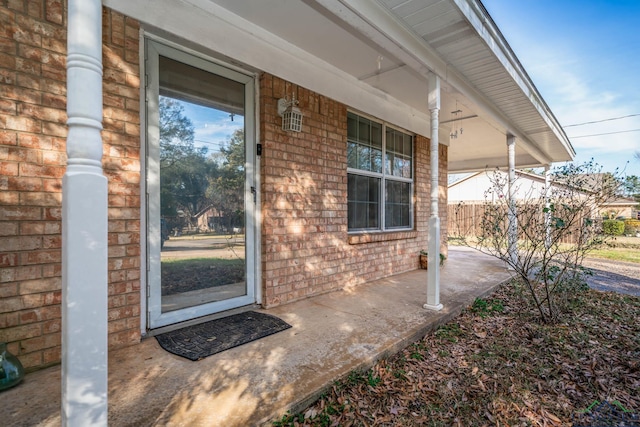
<point x="463" y="34"/>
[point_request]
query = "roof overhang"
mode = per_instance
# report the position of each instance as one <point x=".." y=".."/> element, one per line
<point x="376" y="56"/>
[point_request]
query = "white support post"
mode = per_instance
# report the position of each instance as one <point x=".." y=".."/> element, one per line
<point x="547" y="205"/>
<point x="512" y="217"/>
<point x="433" y="273"/>
<point x="84" y="226"/>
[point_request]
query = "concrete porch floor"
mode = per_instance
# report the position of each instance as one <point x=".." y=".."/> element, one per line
<point x="332" y="335"/>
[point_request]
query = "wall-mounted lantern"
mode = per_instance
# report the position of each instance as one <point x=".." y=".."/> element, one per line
<point x="291" y="115"/>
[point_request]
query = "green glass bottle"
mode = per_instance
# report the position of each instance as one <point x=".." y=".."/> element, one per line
<point x="11" y="370"/>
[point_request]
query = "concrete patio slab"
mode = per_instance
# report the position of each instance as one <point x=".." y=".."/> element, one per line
<point x="332" y="335"/>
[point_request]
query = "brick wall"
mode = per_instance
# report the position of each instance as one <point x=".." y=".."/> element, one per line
<point x="32" y="163"/>
<point x="306" y="249"/>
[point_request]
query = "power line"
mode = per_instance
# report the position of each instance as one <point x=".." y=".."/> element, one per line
<point x="601" y="134"/>
<point x="603" y="120"/>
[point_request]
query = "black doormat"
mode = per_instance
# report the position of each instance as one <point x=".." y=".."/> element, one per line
<point x="199" y="341"/>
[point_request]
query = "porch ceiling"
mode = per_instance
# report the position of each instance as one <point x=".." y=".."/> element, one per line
<point x="390" y="46"/>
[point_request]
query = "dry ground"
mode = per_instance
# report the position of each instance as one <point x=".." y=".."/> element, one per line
<point x="497" y="364"/>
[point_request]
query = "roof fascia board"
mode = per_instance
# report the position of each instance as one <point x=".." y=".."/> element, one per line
<point x="215" y="28"/>
<point x="465" y="179"/>
<point x="378" y="24"/>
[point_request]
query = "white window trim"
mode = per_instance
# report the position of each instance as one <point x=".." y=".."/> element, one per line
<point x="384" y="177"/>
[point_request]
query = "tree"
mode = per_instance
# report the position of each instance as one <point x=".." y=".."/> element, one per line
<point x="555" y="231"/>
<point x="631" y="188"/>
<point x="184" y="167"/>
<point x="226" y="186"/>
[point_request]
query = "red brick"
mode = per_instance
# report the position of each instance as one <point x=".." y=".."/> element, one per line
<point x="40" y="199"/>
<point x="24" y="184"/>
<point x="23" y="124"/>
<point x="8" y="229"/>
<point x="7" y="61"/>
<point x="10" y="304"/>
<point x="21" y="243"/>
<point x="51" y="355"/>
<point x="8" y="290"/>
<point x="20" y="332"/>
<point x="7" y="77"/>
<point x="52" y="185"/>
<point x="52" y="214"/>
<point x="31" y="360"/>
<point x="55" y="45"/>
<point x="52" y="270"/>
<point x="40" y="343"/>
<point x="8" y="46"/>
<point x="27" y="38"/>
<point x="50" y="298"/>
<point x="54" y="11"/>
<point x="54" y="100"/>
<point x="19" y="154"/>
<point x="8" y="168"/>
<point x="34" y="8"/>
<point x="41" y="257"/>
<point x="8" y="320"/>
<point x="39" y="314"/>
<point x="8" y="137"/>
<point x="35" y="141"/>
<point x="19" y="94"/>
<point x="52" y="327"/>
<point x="54" y="129"/>
<point x="28" y="272"/>
<point x="9" y="198"/>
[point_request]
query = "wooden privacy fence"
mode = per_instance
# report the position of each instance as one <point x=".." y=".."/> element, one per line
<point x="466" y="220"/>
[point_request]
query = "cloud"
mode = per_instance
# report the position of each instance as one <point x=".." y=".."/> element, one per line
<point x="220" y="130"/>
<point x="576" y="97"/>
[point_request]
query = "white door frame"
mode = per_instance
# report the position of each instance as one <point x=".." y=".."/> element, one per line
<point x="151" y="201"/>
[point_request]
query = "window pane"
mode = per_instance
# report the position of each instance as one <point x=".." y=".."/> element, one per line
<point x="376" y="160"/>
<point x="397" y="205"/>
<point x="352" y="126"/>
<point x="352" y="155"/>
<point x="365" y="143"/>
<point x="376" y="134"/>
<point x="398" y="154"/>
<point x="363" y="202"/>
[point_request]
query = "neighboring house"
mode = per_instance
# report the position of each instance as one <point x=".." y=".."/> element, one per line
<point x="475" y="189"/>
<point x="343" y="201"/>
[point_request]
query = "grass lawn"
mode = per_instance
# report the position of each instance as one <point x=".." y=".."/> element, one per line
<point x="496" y="364"/>
<point x="617" y="254"/>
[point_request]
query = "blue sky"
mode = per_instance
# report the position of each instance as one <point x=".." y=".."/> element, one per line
<point x="213" y="128"/>
<point x="584" y="58"/>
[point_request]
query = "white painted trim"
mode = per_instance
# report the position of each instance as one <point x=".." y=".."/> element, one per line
<point x="85" y="245"/>
<point x="433" y="243"/>
<point x="221" y="31"/>
<point x="512" y="232"/>
<point x="143" y="189"/>
<point x="258" y="205"/>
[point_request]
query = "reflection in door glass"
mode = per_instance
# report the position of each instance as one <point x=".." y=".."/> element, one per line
<point x="202" y="187"/>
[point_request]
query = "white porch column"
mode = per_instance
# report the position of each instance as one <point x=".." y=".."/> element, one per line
<point x="547" y="214"/>
<point x="84" y="226"/>
<point x="512" y="213"/>
<point x="433" y="273"/>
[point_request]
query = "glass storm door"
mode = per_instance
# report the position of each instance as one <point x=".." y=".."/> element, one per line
<point x="200" y="207"/>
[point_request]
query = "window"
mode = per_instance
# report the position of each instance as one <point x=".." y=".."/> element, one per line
<point x="380" y="176"/>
